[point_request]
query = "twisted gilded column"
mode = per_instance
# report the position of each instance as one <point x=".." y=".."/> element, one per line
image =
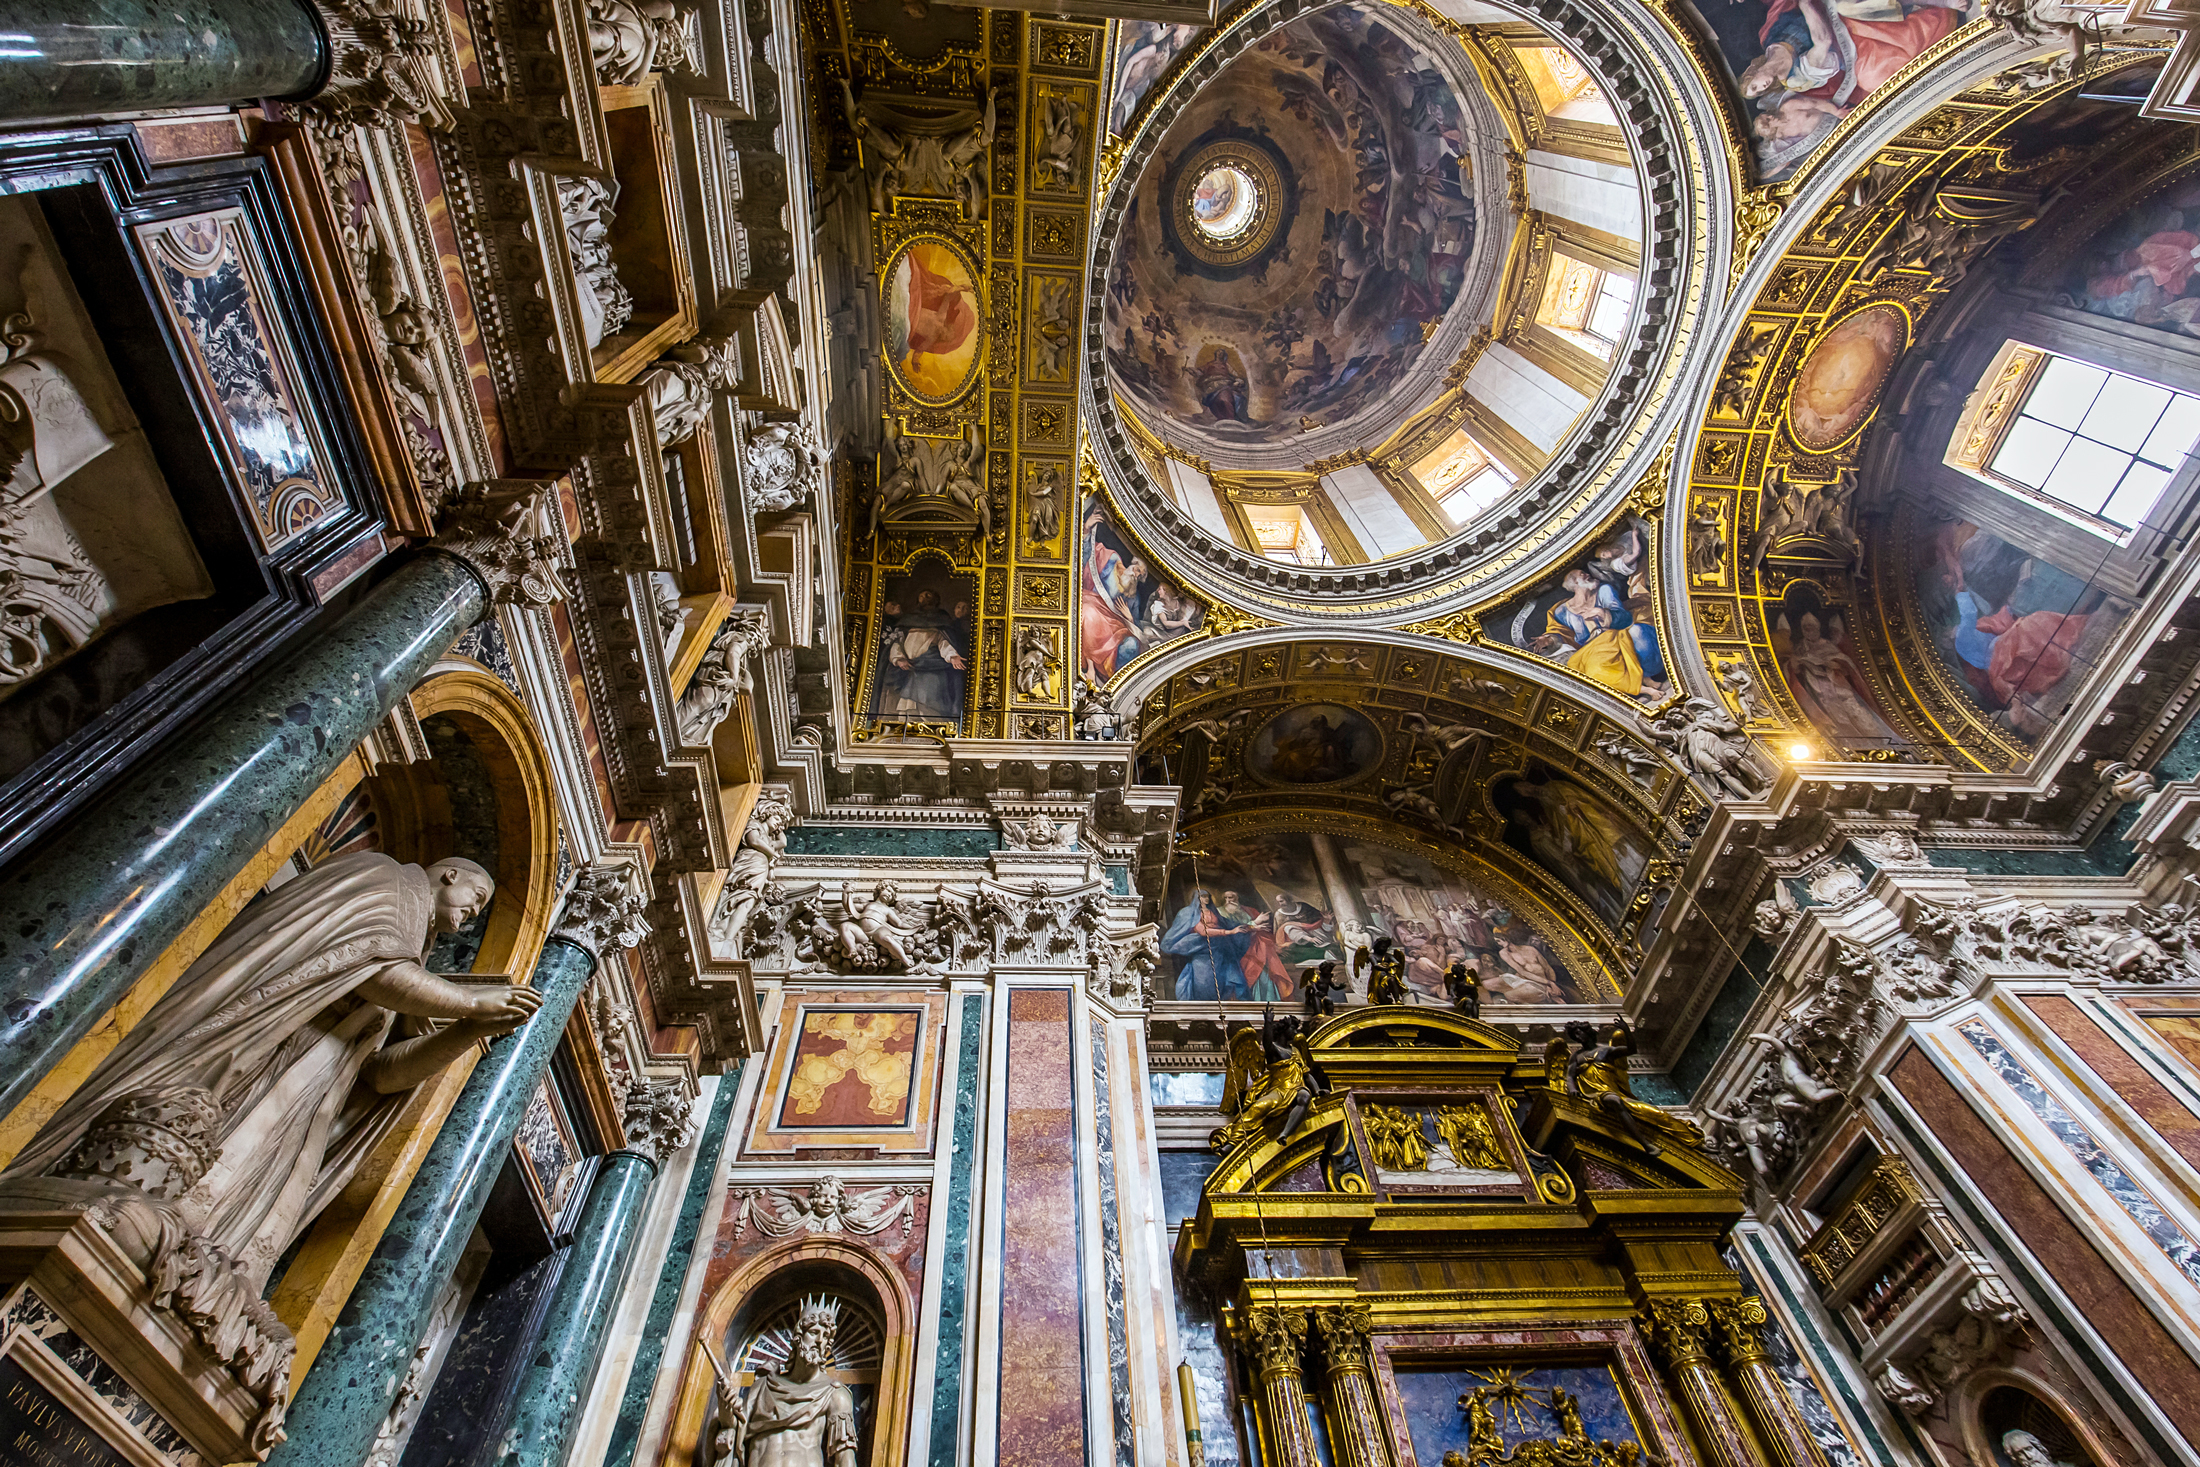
<point x="1357" y="1439"/>
<point x="1680" y="1332"/>
<point x="1277" y="1335"/>
<point x="1780" y="1425"/>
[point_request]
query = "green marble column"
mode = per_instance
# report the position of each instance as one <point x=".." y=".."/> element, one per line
<point x="87" y="912"/>
<point x="550" y="1402"/>
<point x="348" y="1392"/>
<point x="79" y="58"/>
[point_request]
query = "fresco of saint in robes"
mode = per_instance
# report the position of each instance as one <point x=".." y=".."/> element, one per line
<point x="1803" y="65"/>
<point x="1814" y="645"/>
<point x="924" y="647"/>
<point x="1594" y="617"/>
<point x="932" y="319"/>
<point x="2141" y="267"/>
<point x="1142" y="54"/>
<point x="2019" y="632"/>
<point x="1125" y="606"/>
<point x="1247" y="921"/>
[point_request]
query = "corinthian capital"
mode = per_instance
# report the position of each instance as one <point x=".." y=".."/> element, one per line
<point x="1345" y="1328"/>
<point x="602" y="911"/>
<point x="1741" y="1325"/>
<point x="1679" y="1329"/>
<point x="382" y="65"/>
<point x="494" y="526"/>
<point x="1277" y="1336"/>
<point x="660" y="1119"/>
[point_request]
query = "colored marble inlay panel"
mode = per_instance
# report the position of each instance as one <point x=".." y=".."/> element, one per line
<point x="27" y="1318"/>
<point x="210" y="281"/>
<point x="2096" y="1290"/>
<point x="1042" y="1421"/>
<point x="852" y="1068"/>
<point x="1111" y="1255"/>
<point x="2176" y="1244"/>
<point x="2170" y="1117"/>
<point x="955" y="1262"/>
<point x="2181" y="1032"/>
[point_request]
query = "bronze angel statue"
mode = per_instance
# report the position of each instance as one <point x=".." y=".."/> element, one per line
<point x="1272" y="1072"/>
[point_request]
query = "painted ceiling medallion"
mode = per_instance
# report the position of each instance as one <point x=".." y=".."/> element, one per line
<point x="935" y="319"/>
<point x="1317" y="223"/>
<point x="1231" y="198"/>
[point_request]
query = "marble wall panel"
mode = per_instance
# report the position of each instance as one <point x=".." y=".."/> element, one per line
<point x="2171" y="1118"/>
<point x="852" y="1068"/>
<point x="2065" y="1250"/>
<point x="1042" y="1405"/>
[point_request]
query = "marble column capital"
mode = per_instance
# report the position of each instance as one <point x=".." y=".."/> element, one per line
<point x="603" y="912"/>
<point x="660" y="1119"/>
<point x="496" y="528"/>
<point x="381" y="65"/>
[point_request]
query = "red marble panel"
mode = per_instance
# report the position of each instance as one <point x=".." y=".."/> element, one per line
<point x="2171" y="1119"/>
<point x="2057" y="1241"/>
<point x="450" y="259"/>
<point x="1042" y="1420"/>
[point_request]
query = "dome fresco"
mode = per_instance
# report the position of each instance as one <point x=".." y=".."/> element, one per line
<point x="1306" y="223"/>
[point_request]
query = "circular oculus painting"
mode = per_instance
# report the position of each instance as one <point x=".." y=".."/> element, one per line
<point x="935" y="319"/>
<point x="1315" y="743"/>
<point x="1840" y="379"/>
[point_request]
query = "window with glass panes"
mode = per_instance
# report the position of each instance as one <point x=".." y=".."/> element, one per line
<point x="1586" y="305"/>
<point x="2103" y="443"/>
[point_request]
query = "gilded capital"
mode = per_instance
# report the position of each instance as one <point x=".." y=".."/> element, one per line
<point x="1344" y="1329"/>
<point x="1277" y="1335"/>
<point x="1679" y="1329"/>
<point x="1741" y="1324"/>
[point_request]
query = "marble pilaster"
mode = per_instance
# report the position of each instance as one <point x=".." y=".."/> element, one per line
<point x="82" y="918"/>
<point x="346" y="1395"/>
<point x="552" y="1391"/>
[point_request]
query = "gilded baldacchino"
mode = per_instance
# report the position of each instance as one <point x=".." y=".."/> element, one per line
<point x="276" y="1023"/>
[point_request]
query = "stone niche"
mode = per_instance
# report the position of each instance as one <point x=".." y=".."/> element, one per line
<point x="90" y="536"/>
<point x="648" y="240"/>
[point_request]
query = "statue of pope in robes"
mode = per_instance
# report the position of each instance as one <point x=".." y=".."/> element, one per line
<point x="282" y="1040"/>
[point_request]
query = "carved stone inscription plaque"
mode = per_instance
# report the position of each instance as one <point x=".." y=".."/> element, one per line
<point x="36" y="1430"/>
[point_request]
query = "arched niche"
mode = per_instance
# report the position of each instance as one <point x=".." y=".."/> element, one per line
<point x="755" y="1294"/>
<point x="485" y="794"/>
<point x="1996" y="1402"/>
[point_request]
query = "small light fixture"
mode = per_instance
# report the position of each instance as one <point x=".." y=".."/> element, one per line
<point x="1798" y="751"/>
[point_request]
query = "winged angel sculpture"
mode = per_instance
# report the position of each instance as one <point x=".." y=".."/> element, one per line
<point x="1272" y="1073"/>
<point x="882" y="932"/>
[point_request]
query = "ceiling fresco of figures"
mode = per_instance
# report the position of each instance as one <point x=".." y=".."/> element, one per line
<point x="1326" y="782"/>
<point x="1307" y="222"/>
<point x="1862" y="575"/>
<point x="1800" y="66"/>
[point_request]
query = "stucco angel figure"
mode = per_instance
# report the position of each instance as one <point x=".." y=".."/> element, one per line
<point x="1706" y="738"/>
<point x="631" y="38"/>
<point x="282" y="1034"/>
<point x="899" y="934"/>
<point x="1596" y="1071"/>
<point x="1272" y="1072"/>
<point x="950" y="165"/>
<point x="796" y="1417"/>
<point x="763" y="842"/>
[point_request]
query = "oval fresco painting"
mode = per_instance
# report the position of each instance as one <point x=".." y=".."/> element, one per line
<point x="934" y="319"/>
<point x="1315" y="743"/>
<point x="1840" y="379"/>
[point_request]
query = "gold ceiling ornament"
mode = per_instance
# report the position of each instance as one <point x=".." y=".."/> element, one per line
<point x="1460" y="626"/>
<point x="1112" y="153"/>
<point x="1224" y="620"/>
<point x="1649" y="493"/>
<point x="1755" y="217"/>
<point x="1900" y="234"/>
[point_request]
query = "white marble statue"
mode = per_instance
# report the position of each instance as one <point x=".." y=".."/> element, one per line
<point x="796" y="1417"/>
<point x="284" y="1038"/>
